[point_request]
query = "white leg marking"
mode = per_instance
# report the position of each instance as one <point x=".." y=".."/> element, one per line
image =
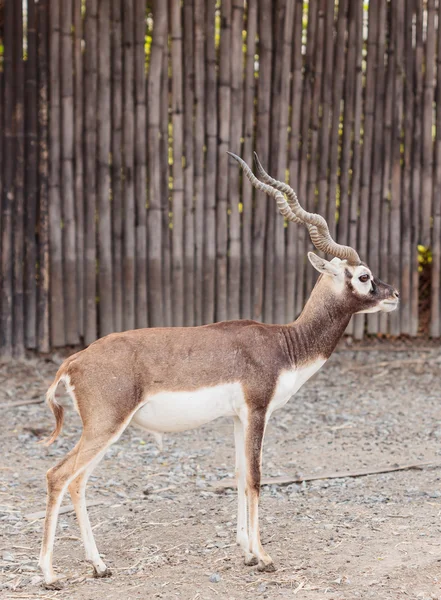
<point x="241" y="475"/>
<point x="78" y="493"/>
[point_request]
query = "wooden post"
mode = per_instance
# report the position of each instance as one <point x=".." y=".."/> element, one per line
<point x="387" y="167"/>
<point x="67" y="175"/>
<point x="224" y="112"/>
<point x="155" y="200"/>
<point x="234" y="254"/>
<point x="396" y="173"/>
<point x="416" y="165"/>
<point x="292" y="275"/>
<point x="307" y="107"/>
<point x="435" y="305"/>
<point x="406" y="222"/>
<point x="128" y="140"/>
<point x="275" y="248"/>
<point x="43" y="333"/>
<point x="18" y="342"/>
<point x="79" y="157"/>
<point x="178" y="175"/>
<point x="262" y="148"/>
<point x="377" y="158"/>
<point x="90" y="150"/>
<point x="117" y="184"/>
<point x="247" y="152"/>
<point x="105" y="274"/>
<point x="211" y="129"/>
<point x="189" y="243"/>
<point x="31" y="162"/>
<point x="141" y="305"/>
<point x="369" y="106"/>
<point x="427" y="145"/>
<point x="337" y="92"/>
<point x="57" y="316"/>
<point x="356" y="153"/>
<point x="166" y="214"/>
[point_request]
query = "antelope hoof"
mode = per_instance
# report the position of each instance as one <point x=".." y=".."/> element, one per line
<point x="267" y="568"/>
<point x="98" y="574"/>
<point x="250" y="560"/>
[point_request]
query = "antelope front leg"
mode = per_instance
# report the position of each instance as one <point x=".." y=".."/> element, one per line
<point x="241" y="476"/>
<point x="253" y="453"/>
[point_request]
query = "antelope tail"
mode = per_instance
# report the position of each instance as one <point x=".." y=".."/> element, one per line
<point x="57" y="410"/>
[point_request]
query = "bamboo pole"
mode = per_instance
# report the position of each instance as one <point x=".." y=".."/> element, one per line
<point x="67" y="174"/>
<point x="247" y="152"/>
<point x="366" y="158"/>
<point x="235" y="135"/>
<point x="211" y="129"/>
<point x="224" y="112"/>
<point x="90" y="153"/>
<point x="57" y="314"/>
<point x="178" y="174"/>
<point x="262" y="147"/>
<point x="43" y="333"/>
<point x="189" y="243"/>
<point x="294" y="158"/>
<point x="78" y="158"/>
<point x="31" y="162"/>
<point x="140" y="167"/>
<point x="155" y="201"/>
<point x="18" y="342"/>
<point x="117" y="184"/>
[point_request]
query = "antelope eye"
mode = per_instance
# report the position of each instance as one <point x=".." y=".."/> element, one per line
<point x="364" y="278"/>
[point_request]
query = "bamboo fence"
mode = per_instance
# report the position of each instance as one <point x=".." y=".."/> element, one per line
<point x="119" y="205"/>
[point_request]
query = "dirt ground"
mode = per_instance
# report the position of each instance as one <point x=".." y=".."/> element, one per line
<point x="167" y="531"/>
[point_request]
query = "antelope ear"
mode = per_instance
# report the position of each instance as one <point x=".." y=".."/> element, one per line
<point x="322" y="265"/>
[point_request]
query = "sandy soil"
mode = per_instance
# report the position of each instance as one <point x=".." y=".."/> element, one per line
<point x="167" y="531"/>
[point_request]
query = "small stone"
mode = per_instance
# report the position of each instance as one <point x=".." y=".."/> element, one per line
<point x="215" y="578"/>
<point x="222" y="534"/>
<point x="8" y="556"/>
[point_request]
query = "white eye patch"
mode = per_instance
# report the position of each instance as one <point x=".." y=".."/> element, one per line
<point x="360" y="286"/>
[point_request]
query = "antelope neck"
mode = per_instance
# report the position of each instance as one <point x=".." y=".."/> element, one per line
<point x="318" y="329"/>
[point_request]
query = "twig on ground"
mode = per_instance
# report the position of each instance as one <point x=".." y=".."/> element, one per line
<point x="231" y="483"/>
<point x="22" y="403"/>
<point x="392" y="364"/>
<point x="64" y="509"/>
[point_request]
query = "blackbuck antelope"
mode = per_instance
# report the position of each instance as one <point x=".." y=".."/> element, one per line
<point x="173" y="379"/>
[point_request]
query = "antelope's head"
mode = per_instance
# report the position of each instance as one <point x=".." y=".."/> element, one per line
<point x="345" y="276"/>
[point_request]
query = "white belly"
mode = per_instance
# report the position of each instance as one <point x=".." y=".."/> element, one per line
<point x="178" y="411"/>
